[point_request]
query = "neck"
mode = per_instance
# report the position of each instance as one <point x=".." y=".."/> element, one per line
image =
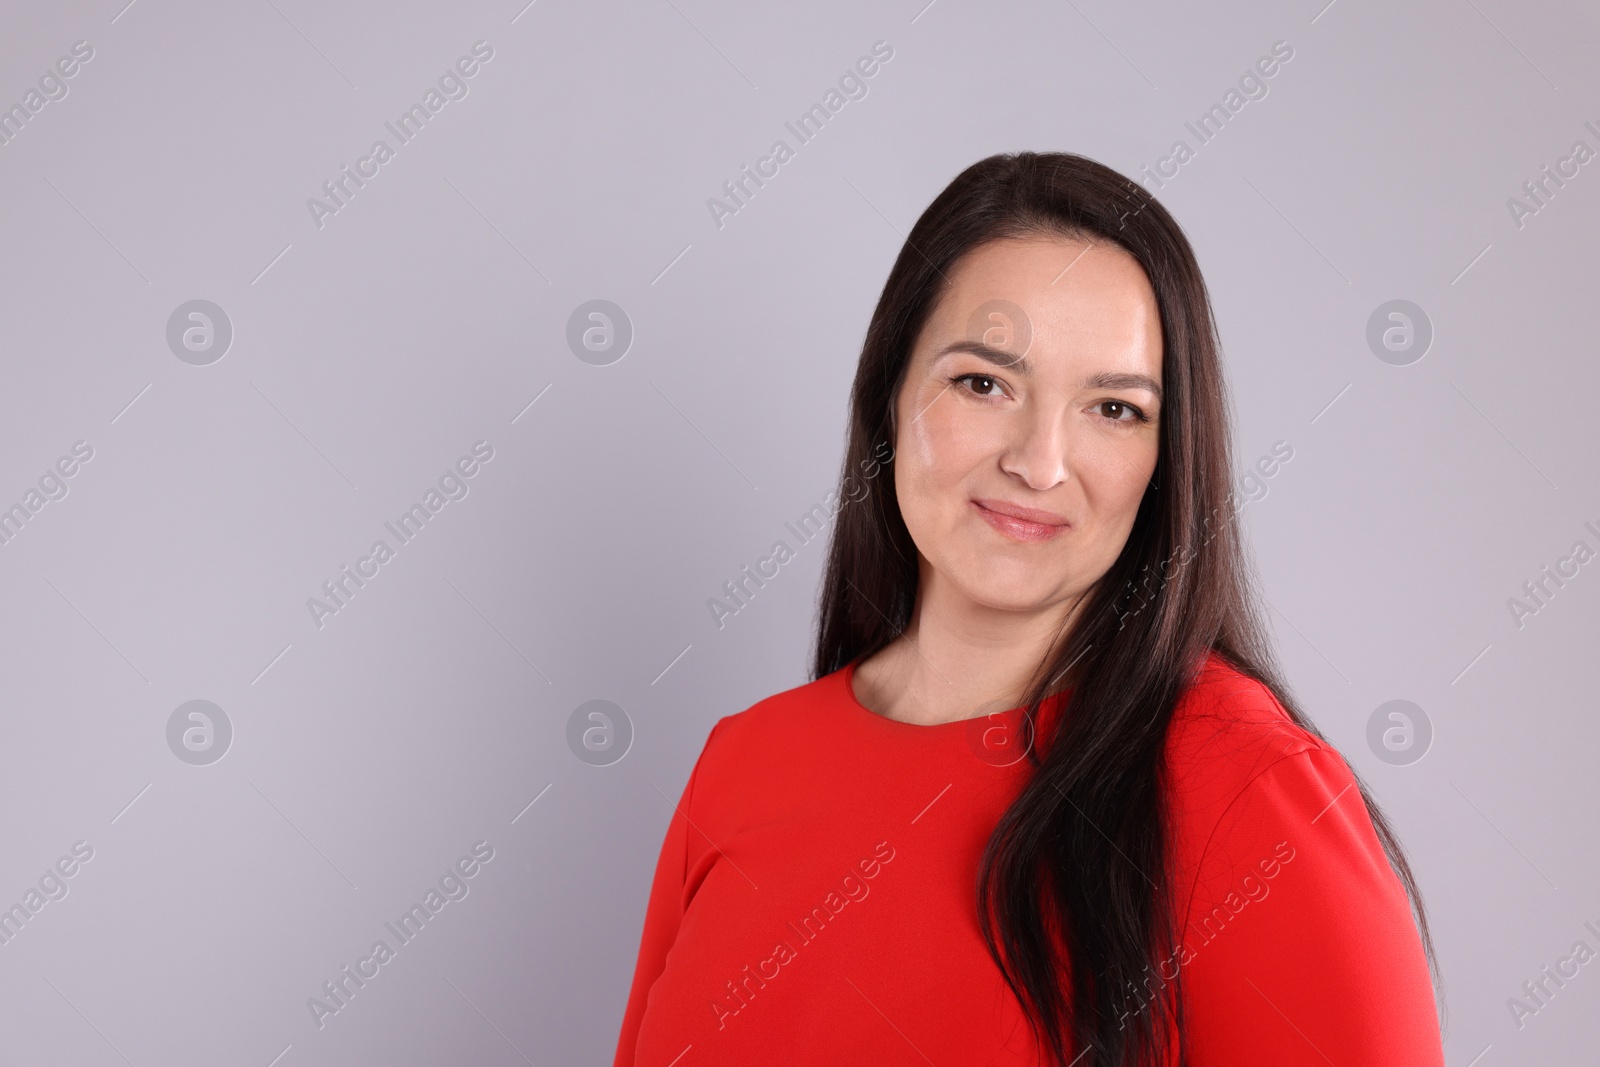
<point x="958" y="659"/>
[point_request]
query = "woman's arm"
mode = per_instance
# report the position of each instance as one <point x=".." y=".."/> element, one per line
<point x="1300" y="948"/>
<point x="662" y="916"/>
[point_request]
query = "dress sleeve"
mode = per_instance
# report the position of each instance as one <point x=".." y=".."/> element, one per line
<point x="662" y="914"/>
<point x="1300" y="949"/>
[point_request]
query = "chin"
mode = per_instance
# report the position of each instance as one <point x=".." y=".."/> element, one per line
<point x="1012" y="588"/>
<point x="1023" y="603"/>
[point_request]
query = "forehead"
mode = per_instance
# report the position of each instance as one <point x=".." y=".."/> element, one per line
<point x="1054" y="299"/>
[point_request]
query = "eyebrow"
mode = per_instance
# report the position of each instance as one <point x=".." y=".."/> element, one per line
<point x="1001" y="358"/>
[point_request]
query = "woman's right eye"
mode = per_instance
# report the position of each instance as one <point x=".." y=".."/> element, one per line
<point x="980" y="384"/>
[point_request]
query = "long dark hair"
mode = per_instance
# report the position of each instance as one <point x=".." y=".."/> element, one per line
<point x="1068" y="883"/>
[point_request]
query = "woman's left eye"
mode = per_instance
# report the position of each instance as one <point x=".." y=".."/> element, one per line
<point x="1117" y="411"/>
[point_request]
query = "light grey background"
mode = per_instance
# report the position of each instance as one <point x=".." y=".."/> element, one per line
<point x="429" y="312"/>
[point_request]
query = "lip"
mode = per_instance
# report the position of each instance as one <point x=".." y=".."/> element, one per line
<point x="1028" y="525"/>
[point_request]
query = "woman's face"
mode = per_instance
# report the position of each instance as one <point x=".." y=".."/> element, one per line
<point x="1028" y="421"/>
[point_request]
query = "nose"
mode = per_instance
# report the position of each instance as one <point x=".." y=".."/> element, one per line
<point x="1036" y="449"/>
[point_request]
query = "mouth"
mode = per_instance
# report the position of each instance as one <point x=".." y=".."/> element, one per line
<point x="1027" y="525"/>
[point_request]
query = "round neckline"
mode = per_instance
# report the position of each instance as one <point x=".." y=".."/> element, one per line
<point x="849" y="673"/>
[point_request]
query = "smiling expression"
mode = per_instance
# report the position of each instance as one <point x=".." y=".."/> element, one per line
<point x="1028" y="420"/>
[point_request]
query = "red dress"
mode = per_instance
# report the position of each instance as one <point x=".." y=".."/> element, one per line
<point x="815" y="901"/>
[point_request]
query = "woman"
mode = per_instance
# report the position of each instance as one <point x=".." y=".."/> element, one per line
<point x="1046" y="800"/>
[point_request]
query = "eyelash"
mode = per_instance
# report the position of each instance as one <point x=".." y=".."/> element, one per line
<point x="1139" y="415"/>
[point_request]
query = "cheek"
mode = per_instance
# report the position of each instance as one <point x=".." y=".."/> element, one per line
<point x="917" y="467"/>
<point x="936" y="454"/>
<point x="1115" y="479"/>
<point x="943" y="446"/>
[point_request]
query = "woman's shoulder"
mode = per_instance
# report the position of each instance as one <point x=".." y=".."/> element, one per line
<point x="800" y="707"/>
<point x="1227" y="730"/>
<point x="1244" y="778"/>
<point x="1284" y="881"/>
<point x="794" y="720"/>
